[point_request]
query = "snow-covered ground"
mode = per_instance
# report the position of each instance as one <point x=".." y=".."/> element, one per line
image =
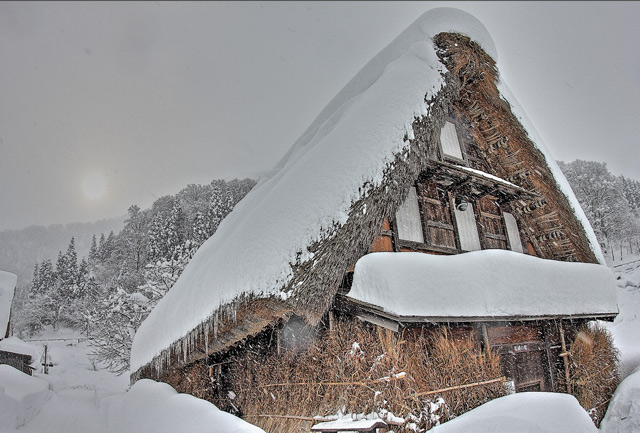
<point x="626" y="327"/>
<point x="78" y="395"/>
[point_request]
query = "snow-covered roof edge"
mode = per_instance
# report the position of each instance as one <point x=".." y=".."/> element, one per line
<point x="217" y="274"/>
<point x="429" y="24"/>
<point x="559" y="177"/>
<point x="7" y="287"/>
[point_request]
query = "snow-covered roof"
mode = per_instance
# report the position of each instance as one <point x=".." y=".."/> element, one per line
<point x="15" y="345"/>
<point x="350" y="144"/>
<point x="310" y="192"/>
<point x="7" y="287"/>
<point x="481" y="284"/>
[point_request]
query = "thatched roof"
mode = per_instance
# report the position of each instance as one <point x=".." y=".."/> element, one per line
<point x="290" y="240"/>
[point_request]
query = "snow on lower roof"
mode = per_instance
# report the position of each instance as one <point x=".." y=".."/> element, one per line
<point x="480" y="284"/>
<point x="7" y="287"/>
<point x="489" y="176"/>
<point x="349" y="145"/>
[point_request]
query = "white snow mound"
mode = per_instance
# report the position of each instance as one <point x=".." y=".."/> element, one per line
<point x="487" y="283"/>
<point x="539" y="412"/>
<point x="153" y="407"/>
<point x="21" y="396"/>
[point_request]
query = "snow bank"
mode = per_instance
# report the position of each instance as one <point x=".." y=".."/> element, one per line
<point x="488" y="283"/>
<point x="7" y="286"/>
<point x="312" y="188"/>
<point x="623" y="414"/>
<point x="21" y="396"/>
<point x="626" y="327"/>
<point x="153" y="407"/>
<point x="538" y="412"/>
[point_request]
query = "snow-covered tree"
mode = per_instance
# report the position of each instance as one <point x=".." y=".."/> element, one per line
<point x="605" y="201"/>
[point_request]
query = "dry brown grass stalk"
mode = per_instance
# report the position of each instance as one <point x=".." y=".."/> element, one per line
<point x="351" y="369"/>
<point x="593" y="366"/>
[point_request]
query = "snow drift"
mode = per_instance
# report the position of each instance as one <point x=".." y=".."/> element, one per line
<point x="153" y="407"/>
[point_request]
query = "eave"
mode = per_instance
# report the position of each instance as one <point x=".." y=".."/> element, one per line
<point x="376" y="315"/>
<point x="474" y="183"/>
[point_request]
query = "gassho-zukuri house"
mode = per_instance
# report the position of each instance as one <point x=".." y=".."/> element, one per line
<point x="420" y="197"/>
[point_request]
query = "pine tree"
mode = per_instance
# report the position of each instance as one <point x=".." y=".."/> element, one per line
<point x="93" y="251"/>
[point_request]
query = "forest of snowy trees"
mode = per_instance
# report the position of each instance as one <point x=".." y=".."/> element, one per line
<point x="107" y="294"/>
<point x="611" y="204"/>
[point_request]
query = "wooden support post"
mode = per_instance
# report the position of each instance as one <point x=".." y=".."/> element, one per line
<point x="565" y="358"/>
<point x="279" y="351"/>
<point x="485" y="338"/>
<point x="331" y="320"/>
<point x="46" y="362"/>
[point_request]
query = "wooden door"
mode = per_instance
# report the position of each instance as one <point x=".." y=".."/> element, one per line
<point x="438" y="222"/>
<point x="525" y="368"/>
<point x="492" y="227"/>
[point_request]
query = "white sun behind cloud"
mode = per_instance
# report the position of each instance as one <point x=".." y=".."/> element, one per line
<point x="94" y="185"/>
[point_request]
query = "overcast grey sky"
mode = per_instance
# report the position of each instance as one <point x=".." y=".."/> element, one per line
<point x="157" y="95"/>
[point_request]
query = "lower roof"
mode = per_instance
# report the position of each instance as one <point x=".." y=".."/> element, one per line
<point x="480" y="286"/>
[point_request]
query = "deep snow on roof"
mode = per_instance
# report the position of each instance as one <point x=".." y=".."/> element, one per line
<point x="349" y="145"/>
<point x="7" y="287"/>
<point x="479" y="284"/>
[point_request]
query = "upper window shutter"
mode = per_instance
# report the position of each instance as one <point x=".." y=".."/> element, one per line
<point x="449" y="141"/>
<point x="467" y="229"/>
<point x="513" y="234"/>
<point x="408" y="221"/>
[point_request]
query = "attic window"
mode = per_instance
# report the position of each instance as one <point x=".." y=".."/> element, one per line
<point x="449" y="141"/>
<point x="513" y="234"/>
<point x="408" y="219"/>
<point x="467" y="229"/>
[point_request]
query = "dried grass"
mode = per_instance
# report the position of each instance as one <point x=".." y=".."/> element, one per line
<point x="593" y="368"/>
<point x="341" y="371"/>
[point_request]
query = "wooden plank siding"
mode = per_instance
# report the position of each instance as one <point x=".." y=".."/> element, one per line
<point x="384" y="242"/>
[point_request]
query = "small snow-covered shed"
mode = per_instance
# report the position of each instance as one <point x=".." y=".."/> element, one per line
<point x="424" y="151"/>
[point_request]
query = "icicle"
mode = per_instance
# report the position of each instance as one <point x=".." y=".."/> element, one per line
<point x="215" y="326"/>
<point x="206" y="339"/>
